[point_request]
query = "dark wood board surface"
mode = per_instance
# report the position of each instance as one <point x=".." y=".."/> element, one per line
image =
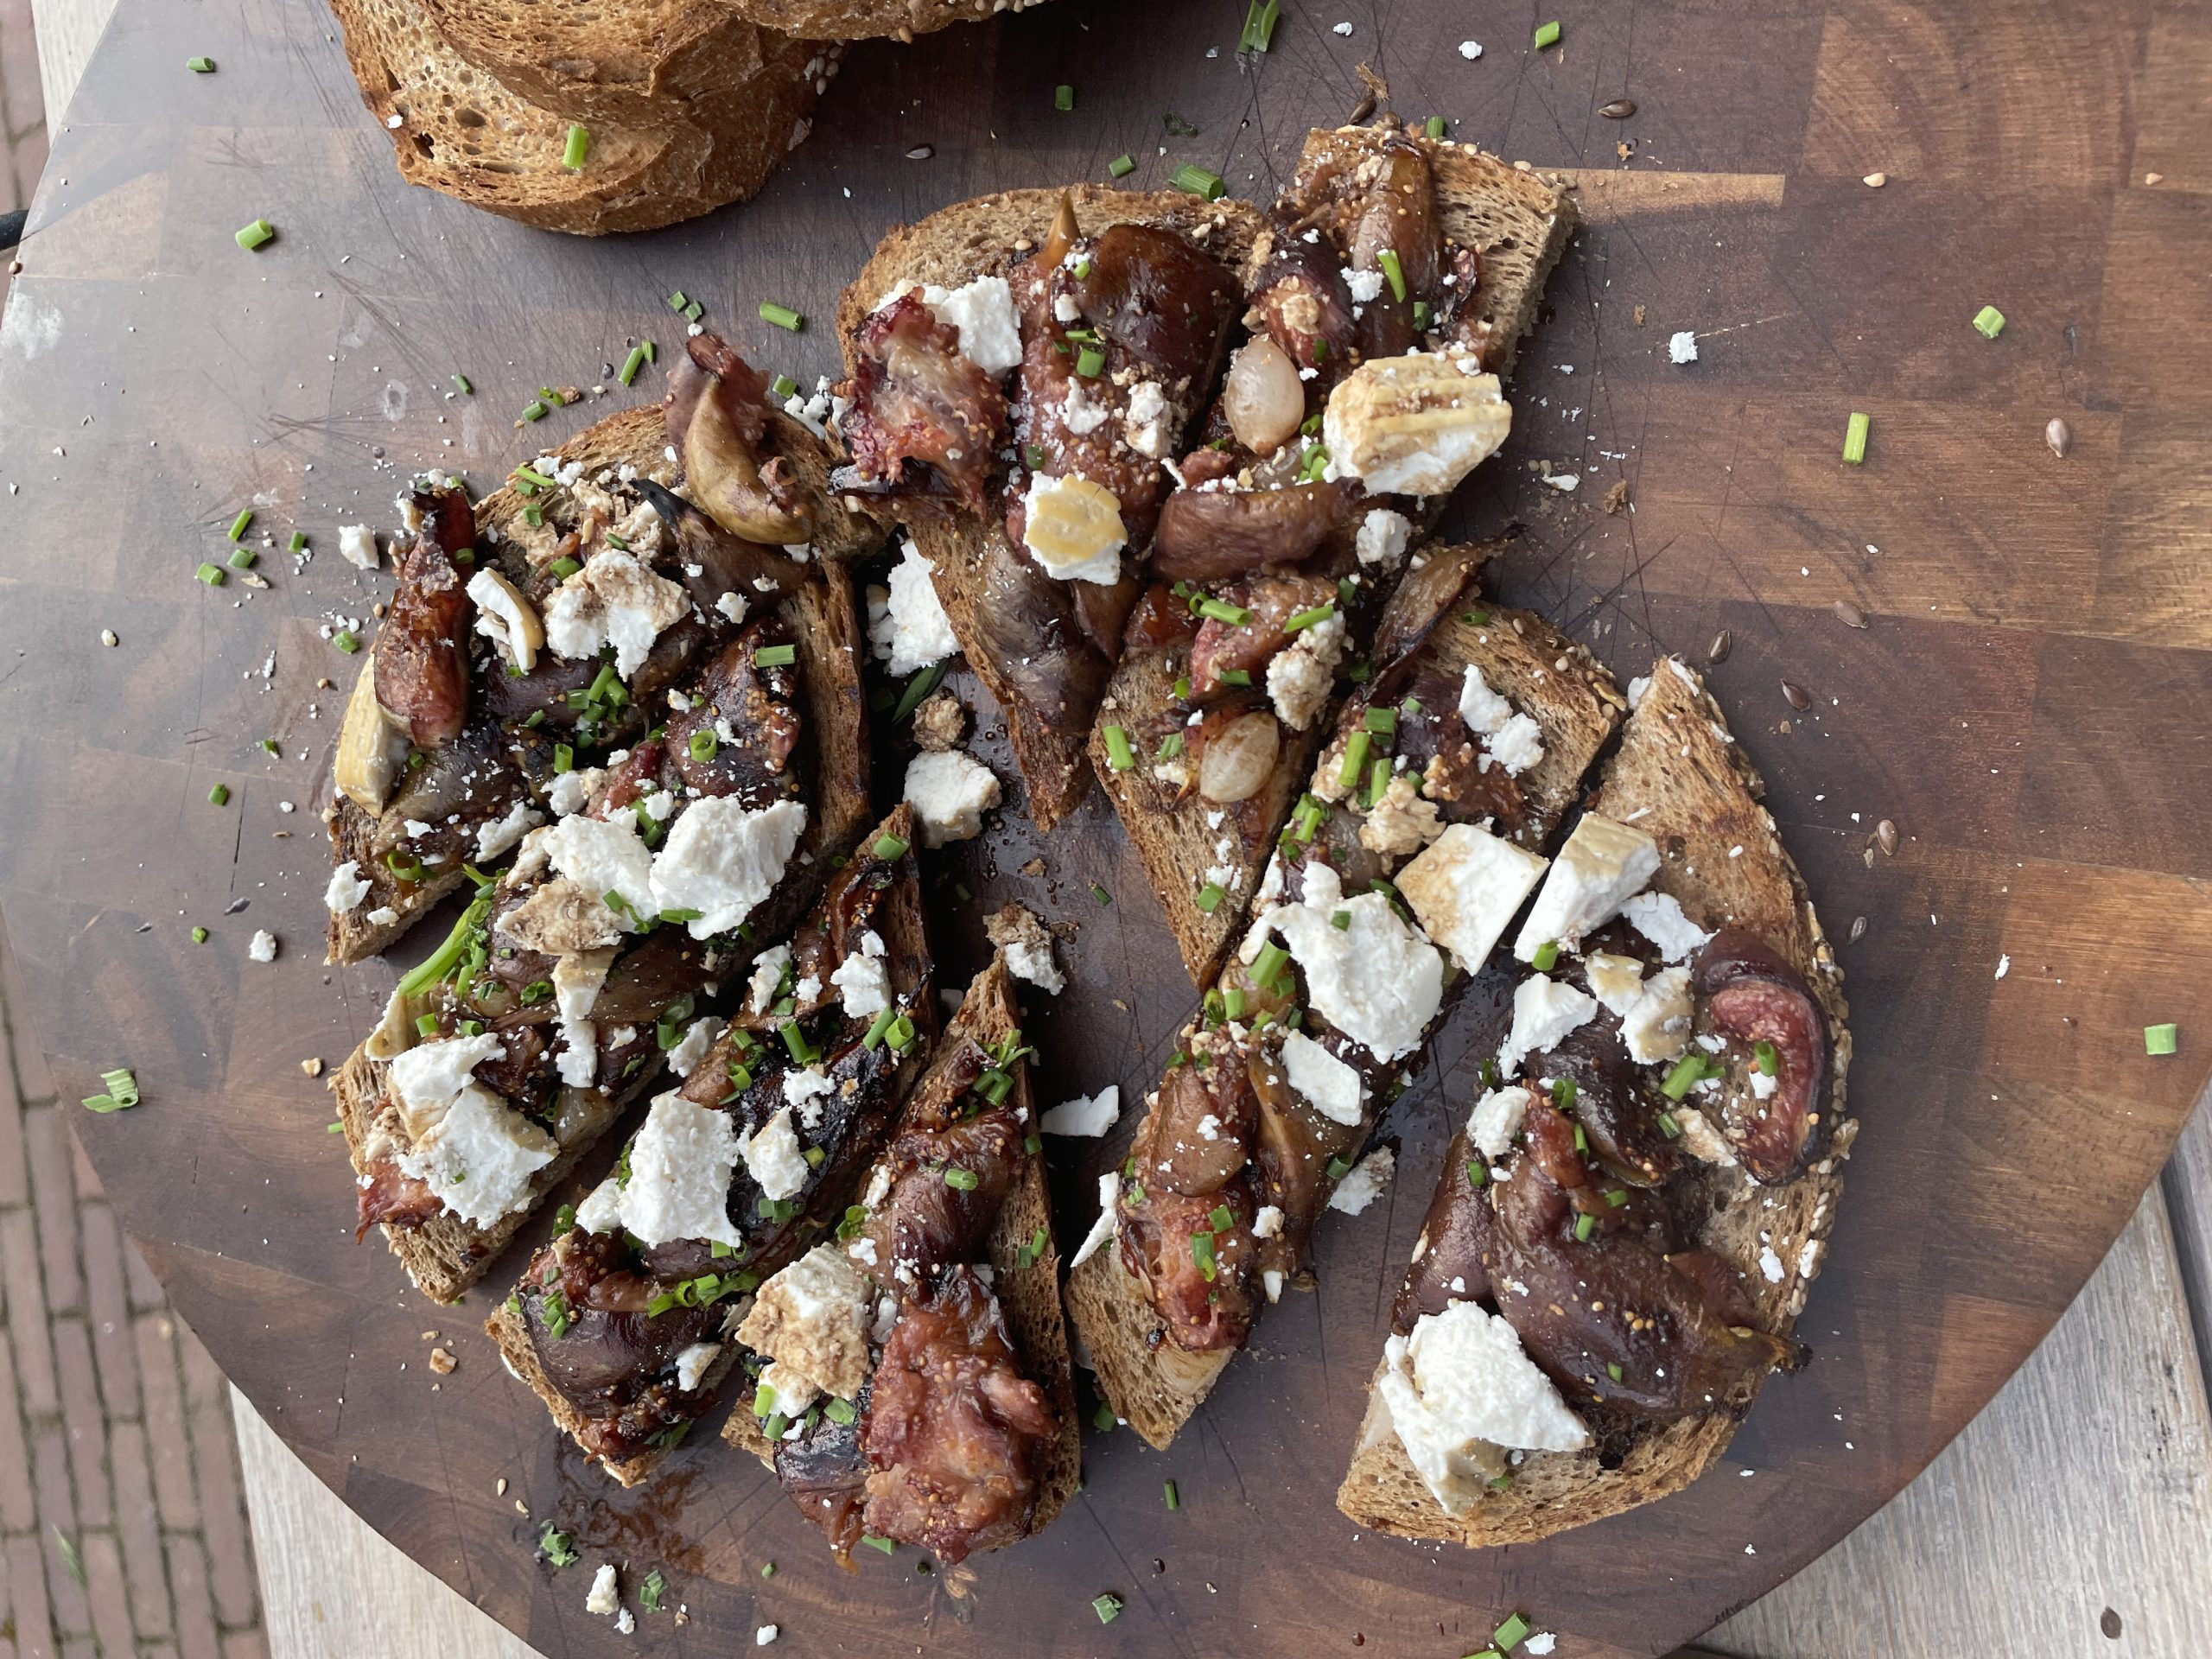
<point x="2030" y="702"/>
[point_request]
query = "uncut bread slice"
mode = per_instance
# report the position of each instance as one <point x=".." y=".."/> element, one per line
<point x="988" y="237"/>
<point x="1153" y="1381"/>
<point x="1018" y="1248"/>
<point x="1204" y="862"/>
<point x="458" y="129"/>
<point x="1679" y="776"/>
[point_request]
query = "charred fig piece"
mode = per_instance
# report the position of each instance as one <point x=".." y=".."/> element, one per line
<point x="1753" y="997"/>
<point x="915" y="398"/>
<point x="825" y="1471"/>
<point x="422" y="655"/>
<point x="717" y="415"/>
<point x="1065" y="233"/>
<point x="726" y="564"/>
<point x="926" y="1223"/>
<point x="1210" y="535"/>
<point x="1396" y="222"/>
<point x="1194" y="1141"/>
<point x="1615" y="1104"/>
<point x="1271" y="602"/>
<point x="1203" y="1292"/>
<point x="1300" y="301"/>
<point x="386" y="1195"/>
<point x="1458" y="1237"/>
<point x="1029" y="628"/>
<point x="954" y="1431"/>
<point x="1292" y="1147"/>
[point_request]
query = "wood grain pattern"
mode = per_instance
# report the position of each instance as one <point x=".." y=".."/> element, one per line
<point x="2027" y="703"/>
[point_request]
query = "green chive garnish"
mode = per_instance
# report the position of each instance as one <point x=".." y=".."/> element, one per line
<point x="1548" y="35"/>
<point x="775" y="656"/>
<point x="1063" y="97"/>
<point x="631" y="364"/>
<point x="1355" y="760"/>
<point x="1198" y="181"/>
<point x="1584" y="1226"/>
<point x="241" y="558"/>
<point x="1174" y="1500"/>
<point x="533" y="410"/>
<point x="1305" y="619"/>
<point x="578" y="146"/>
<point x="1118" y="753"/>
<point x="1989" y="322"/>
<point x="253" y="236"/>
<point x="199" y="935"/>
<point x="1547" y="957"/>
<point x="1393" y="270"/>
<point x="1121" y="166"/>
<point x="2162" y="1040"/>
<point x="1509" y="1635"/>
<point x="888" y="847"/>
<point x="1088" y="362"/>
<point x="1854" y="438"/>
<point x="460" y="384"/>
<point x="1260" y="25"/>
<point x="220" y="796"/>
<point x="200" y="65"/>
<point x="238" y="525"/>
<point x="210" y="574"/>
<point x="1209" y="896"/>
<point x="1108" y="1607"/>
<point x="782" y="316"/>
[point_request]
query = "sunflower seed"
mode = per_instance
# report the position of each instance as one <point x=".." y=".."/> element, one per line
<point x="1886" y="837"/>
<point x="1798" y="697"/>
<point x="1857" y="929"/>
<point x="1718" y="651"/>
<point x="2059" y="436"/>
<point x="1849" y="615"/>
<point x="1620" y="110"/>
<point x="921" y="152"/>
<point x="1875" y="180"/>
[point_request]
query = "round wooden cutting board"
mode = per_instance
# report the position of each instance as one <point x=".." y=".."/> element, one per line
<point x="2002" y="651"/>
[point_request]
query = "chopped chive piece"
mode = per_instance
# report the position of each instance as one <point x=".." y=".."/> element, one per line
<point x="220" y="796"/>
<point x="533" y="410"/>
<point x="238" y="525"/>
<point x="1420" y="313"/>
<point x="563" y="569"/>
<point x="1355" y="760"/>
<point x="1101" y="894"/>
<point x="531" y="476"/>
<point x="918" y="688"/>
<point x="782" y="385"/>
<point x="576" y="148"/>
<point x="1267" y="966"/>
<point x="253" y="236"/>
<point x="1175" y="1499"/>
<point x="1615" y="1196"/>
<point x="631" y="364"/>
<point x="1118" y="754"/>
<point x="199" y="935"/>
<point x="1121" y="166"/>
<point x="1169" y="746"/>
<point x="1383" y="722"/>
<point x="1509" y="1635"/>
<point x="1235" y="676"/>
<point x="1102" y="1419"/>
<point x="1063" y="97"/>
<point x="241" y="558"/>
<point x="564" y="758"/>
<point x="1477" y="1177"/>
<point x="1260" y="25"/>
<point x="678" y="300"/>
<point x="210" y="574"/>
<point x="1688" y="1071"/>
<point x="1548" y="35"/>
<point x="1341" y="920"/>
<point x="782" y="316"/>
<point x="1201" y="1254"/>
<point x="1089" y="361"/>
<point x="200" y="65"/>
<point x="2162" y="1040"/>
<point x="888" y="847"/>
<point x="1547" y="957"/>
<point x="1392" y="269"/>
<point x="883" y="1544"/>
<point x="1305" y="620"/>
<point x="1198" y="181"/>
<point x="1765" y="1058"/>
<point x="299" y="542"/>
<point x="1435" y="126"/>
<point x="1668" y="1128"/>
<point x="1854" y="438"/>
<point x="1182" y="688"/>
<point x="875" y="1030"/>
<point x="839" y="1411"/>
<point x="767" y="1569"/>
<point x="962" y="1180"/>
<point x="702" y="745"/>
<point x="1221" y="610"/>
<point x="1209" y="896"/>
<point x="775" y="656"/>
<point x="1108" y="1607"/>
<point x="1613" y="1369"/>
<point x="1989" y="322"/>
<point x="460" y="384"/>
<point x="1338" y="1169"/>
<point x="900" y="1036"/>
<point x="694" y="311"/>
<point x="1378" y="779"/>
<point x="1584" y="1226"/>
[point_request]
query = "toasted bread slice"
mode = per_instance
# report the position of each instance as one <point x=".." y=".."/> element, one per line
<point x="1150" y="1382"/>
<point x="901" y="926"/>
<point x="1519" y="224"/>
<point x="457" y="128"/>
<point x="643" y="65"/>
<point x="1027" y="1285"/>
<point x="1680" y="777"/>
<point x="858" y="20"/>
<point x="986" y="237"/>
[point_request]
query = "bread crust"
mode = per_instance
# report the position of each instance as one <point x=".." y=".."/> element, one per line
<point x="1698" y="796"/>
<point x="1028" y="1292"/>
<point x="854" y="20"/>
<point x="1150" y="1382"/>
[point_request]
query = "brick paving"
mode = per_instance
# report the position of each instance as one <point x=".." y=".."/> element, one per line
<point x="123" y="1526"/>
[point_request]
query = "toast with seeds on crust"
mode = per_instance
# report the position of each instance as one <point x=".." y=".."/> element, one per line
<point x="1682" y="774"/>
<point x="1027" y="1282"/>
<point x="988" y="237"/>
<point x="1519" y="224"/>
<point x="855" y="19"/>
<point x="446" y="1256"/>
<point x="1150" y="1381"/>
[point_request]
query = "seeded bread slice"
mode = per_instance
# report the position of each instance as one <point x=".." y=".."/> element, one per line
<point x="855" y="19"/>
<point x="1028" y="1290"/>
<point x="1151" y="1383"/>
<point x="1682" y="778"/>
<point x="986" y="237"/>
<point x="457" y="128"/>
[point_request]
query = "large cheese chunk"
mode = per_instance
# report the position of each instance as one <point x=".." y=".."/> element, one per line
<point x="1458" y="1389"/>
<point x="1073" y="528"/>
<point x="1514" y="740"/>
<point x="982" y="311"/>
<point x="602" y="856"/>
<point x="1374" y="979"/>
<point x="1657" y="1026"/>
<point x="1544" y="1010"/>
<point x="1602" y="864"/>
<point x="1465" y="888"/>
<point x="722" y="858"/>
<point x="949" y="790"/>
<point x="616" y="599"/>
<point x="811" y="1320"/>
<point x="862" y="978"/>
<point x="480" y="1156"/>
<point x="1658" y="917"/>
<point x="773" y="1159"/>
<point x="1497" y="1119"/>
<point x="678" y="1187"/>
<point x="909" y="630"/>
<point x="1323" y="1081"/>
<point x="427" y="1077"/>
<point x="1415" y="425"/>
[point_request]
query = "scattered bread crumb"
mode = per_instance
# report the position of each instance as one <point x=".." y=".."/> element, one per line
<point x="940" y="722"/>
<point x="443" y="1363"/>
<point x="311" y="1067"/>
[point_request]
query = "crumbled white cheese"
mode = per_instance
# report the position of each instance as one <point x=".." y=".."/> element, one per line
<point x="577" y="1059"/>
<point x="1770" y="1267"/>
<point x="1150" y="426"/>
<point x="811" y="1318"/>
<point x="1601" y="865"/>
<point x="1465" y="887"/>
<point x="1471" y="50"/>
<point x="1415" y="425"/>
<point x="722" y="859"/>
<point x="681" y="1163"/>
<point x="1326" y="1082"/>
<point x="1268" y="1221"/>
<point x="1514" y="740"/>
<point x="1497" y="1119"/>
<point x="1080" y="412"/>
<point x="1544" y="1010"/>
<point x="773" y="1159"/>
<point x="763" y="1636"/>
<point x="570" y="791"/>
<point x="1683" y="347"/>
<point x="1382" y="538"/>
<point x="1073" y="527"/>
<point x="1365" y="285"/>
<point x="691" y="1363"/>
<point x="910" y="631"/>
<point x="1086" y="1115"/>
<point x="1459" y="1387"/>
<point x="1300" y="676"/>
<point x="1376" y="979"/>
<point x="1110" y="1198"/>
<point x="698" y="1037"/>
<point x="767" y="977"/>
<point x="349" y="887"/>
<point x="1365" y="1184"/>
<point x="804" y="1090"/>
<point x="603" y="855"/>
<point x="357" y="545"/>
<point x="603" y="1597"/>
<point x="862" y="978"/>
<point x="949" y="790"/>
<point x="500" y="834"/>
<point x="263" y="946"/>
<point x="1658" y="917"/>
<point x="480" y="1156"/>
<point x="618" y="599"/>
<point x="983" y="311"/>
